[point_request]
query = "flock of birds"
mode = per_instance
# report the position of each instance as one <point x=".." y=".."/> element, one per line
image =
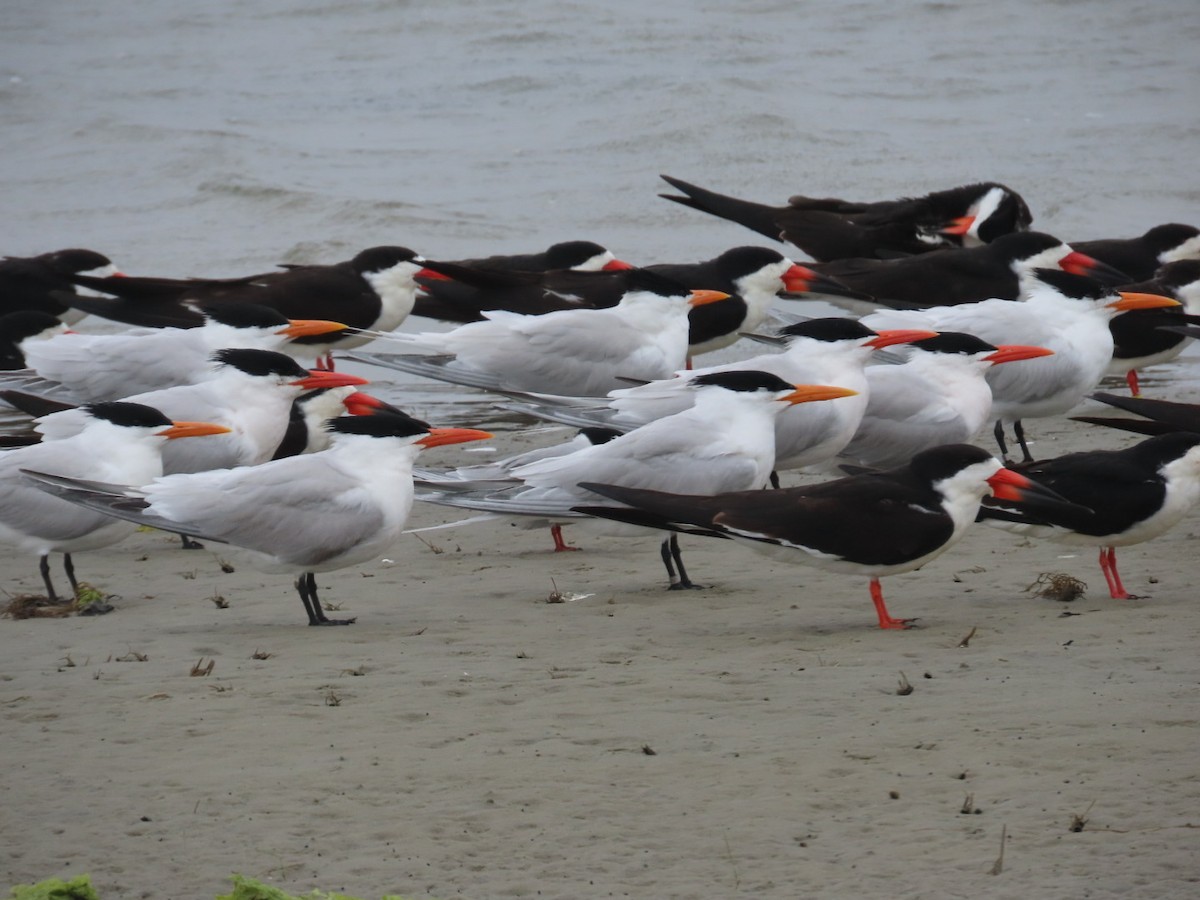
<point x="200" y="418"/>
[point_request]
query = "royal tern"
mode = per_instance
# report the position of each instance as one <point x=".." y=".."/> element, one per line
<point x="117" y="442"/>
<point x="938" y="395"/>
<point x="829" y="228"/>
<point x="1066" y="313"/>
<point x="362" y="486"/>
<point x="1124" y="497"/>
<point x="580" y="352"/>
<point x="724" y="442"/>
<point x="875" y="524"/>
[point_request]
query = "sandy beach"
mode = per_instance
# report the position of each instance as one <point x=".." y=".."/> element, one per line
<point x="469" y="738"/>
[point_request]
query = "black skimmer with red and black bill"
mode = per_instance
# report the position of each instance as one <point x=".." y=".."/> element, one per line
<point x="374" y="291"/>
<point x="967" y="274"/>
<point x="1151" y="337"/>
<point x="96" y="367"/>
<point x="30" y="282"/>
<point x="580" y="352"/>
<point x="1160" y="416"/>
<point x="938" y="395"/>
<point x="579" y="256"/>
<point x="362" y="486"/>
<point x="1122" y="497"/>
<point x="753" y="276"/>
<point x="724" y="442"/>
<point x="116" y="441"/>
<point x="1141" y="257"/>
<point x="829" y="228"/>
<point x="19" y="328"/>
<point x="875" y="524"/>
<point x="1066" y="313"/>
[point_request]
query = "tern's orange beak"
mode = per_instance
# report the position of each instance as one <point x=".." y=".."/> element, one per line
<point x="319" y="378"/>
<point x="438" y="437"/>
<point x="701" y="298"/>
<point x="807" y="393"/>
<point x="892" y="336"/>
<point x="1014" y="352"/>
<point x="305" y="327"/>
<point x="1132" y="300"/>
<point x="193" y="429"/>
<point x="959" y="226"/>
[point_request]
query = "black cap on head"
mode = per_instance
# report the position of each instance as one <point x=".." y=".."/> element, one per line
<point x="378" y="259"/>
<point x="381" y="423"/>
<point x="746" y="380"/>
<point x="128" y="415"/>
<point x="954" y="342"/>
<point x="260" y="362"/>
<point x="1024" y="244"/>
<point x="946" y="461"/>
<point x="831" y="328"/>
<point x="654" y="283"/>
<point x="741" y="261"/>
<point x="242" y="315"/>
<point x="75" y="260"/>
<point x="1169" y="236"/>
<point x="568" y="254"/>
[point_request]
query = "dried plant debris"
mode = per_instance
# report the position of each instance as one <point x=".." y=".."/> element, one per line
<point x="89" y="602"/>
<point x="1079" y="820"/>
<point x="1058" y="586"/>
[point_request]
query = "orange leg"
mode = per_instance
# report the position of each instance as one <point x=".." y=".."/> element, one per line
<point x="1131" y="379"/>
<point x="885" y="620"/>
<point x="1108" y="565"/>
<point x="559" y="544"/>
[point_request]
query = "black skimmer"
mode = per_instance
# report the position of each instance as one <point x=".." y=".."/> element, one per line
<point x="1123" y="497"/>
<point x="938" y="395"/>
<point x="578" y="256"/>
<point x="1159" y="416"/>
<point x="362" y="486"/>
<point x="1142" y="256"/>
<point x="580" y="352"/>
<point x="874" y="524"/>
<point x="830" y="228"/>
<point x="965" y="275"/>
<point x="96" y="367"/>
<point x="374" y="291"/>
<point x="117" y="441"/>
<point x="1149" y="337"/>
<point x="753" y="276"/>
<point x="1066" y="313"/>
<point x="30" y="282"/>
<point x="724" y="442"/>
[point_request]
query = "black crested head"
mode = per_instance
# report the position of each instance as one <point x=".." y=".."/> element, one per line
<point x="940" y="463"/>
<point x="742" y="261"/>
<point x="1010" y="215"/>
<point x="26" y="323"/>
<point x="643" y="280"/>
<point x="380" y="259"/>
<point x="1169" y="236"/>
<point x="382" y="424"/>
<point x="1073" y="287"/>
<point x="260" y="362"/>
<point x="242" y="315"/>
<point x="1023" y="244"/>
<point x="128" y="415"/>
<point x="74" y="261"/>
<point x="599" y="435"/>
<point x="568" y="254"/>
<point x="744" y="380"/>
<point x="954" y="342"/>
<point x="830" y="329"/>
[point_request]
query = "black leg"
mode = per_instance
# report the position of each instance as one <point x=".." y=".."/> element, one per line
<point x="774" y="479"/>
<point x="1019" y="431"/>
<point x="44" y="568"/>
<point x="306" y="584"/>
<point x="999" y="433"/>
<point x="684" y="583"/>
<point x="189" y="544"/>
<point x="69" y="568"/>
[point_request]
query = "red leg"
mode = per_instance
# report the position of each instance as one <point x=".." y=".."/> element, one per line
<point x="1131" y="379"/>
<point x="559" y="544"/>
<point x="1108" y="562"/>
<point x="885" y="620"/>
